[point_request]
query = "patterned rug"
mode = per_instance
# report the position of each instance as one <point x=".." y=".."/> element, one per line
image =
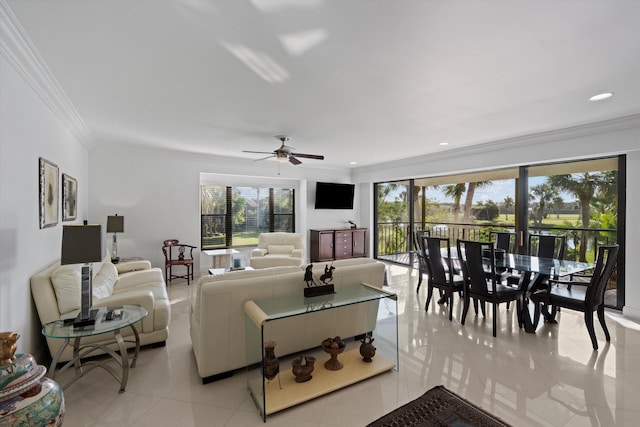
<point x="439" y="407"/>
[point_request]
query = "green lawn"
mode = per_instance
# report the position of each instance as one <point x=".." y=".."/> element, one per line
<point x="555" y="220"/>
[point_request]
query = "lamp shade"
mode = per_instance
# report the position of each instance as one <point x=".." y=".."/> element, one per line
<point x="115" y="224"/>
<point x="81" y="244"/>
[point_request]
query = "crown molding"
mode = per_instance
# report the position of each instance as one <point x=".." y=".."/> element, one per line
<point x="596" y="128"/>
<point x="16" y="47"/>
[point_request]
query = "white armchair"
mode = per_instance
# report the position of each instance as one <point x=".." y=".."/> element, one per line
<point x="278" y="249"/>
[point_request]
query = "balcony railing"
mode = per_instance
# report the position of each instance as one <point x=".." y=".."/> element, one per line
<point x="395" y="243"/>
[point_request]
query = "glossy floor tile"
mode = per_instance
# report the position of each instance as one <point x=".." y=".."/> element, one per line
<point x="551" y="378"/>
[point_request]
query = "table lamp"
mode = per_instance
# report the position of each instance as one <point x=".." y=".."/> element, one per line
<point x="115" y="224"/>
<point x="82" y="244"/>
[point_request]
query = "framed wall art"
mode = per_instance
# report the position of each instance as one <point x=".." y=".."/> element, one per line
<point x="48" y="193"/>
<point x="69" y="198"/>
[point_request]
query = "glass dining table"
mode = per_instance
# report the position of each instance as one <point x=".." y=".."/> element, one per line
<point x="533" y="272"/>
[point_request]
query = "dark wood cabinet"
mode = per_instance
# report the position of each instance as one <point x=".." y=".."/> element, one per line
<point x="359" y="240"/>
<point x="321" y="245"/>
<point x="327" y="245"/>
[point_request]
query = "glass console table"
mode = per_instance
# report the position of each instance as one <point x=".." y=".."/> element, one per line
<point x="369" y="310"/>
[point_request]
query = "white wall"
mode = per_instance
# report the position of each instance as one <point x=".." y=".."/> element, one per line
<point x="158" y="194"/>
<point x="620" y="136"/>
<point x="29" y="130"/>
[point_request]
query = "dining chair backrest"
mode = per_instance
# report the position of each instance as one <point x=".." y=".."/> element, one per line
<point x="504" y="240"/>
<point x="418" y="241"/>
<point x="547" y="245"/>
<point x="475" y="275"/>
<point x="440" y="270"/>
<point x="605" y="264"/>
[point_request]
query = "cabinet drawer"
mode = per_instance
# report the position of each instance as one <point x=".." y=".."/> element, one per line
<point x="343" y="234"/>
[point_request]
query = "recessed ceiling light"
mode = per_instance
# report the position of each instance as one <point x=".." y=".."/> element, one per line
<point x="601" y="96"/>
<point x="444" y="143"/>
<point x="353" y="163"/>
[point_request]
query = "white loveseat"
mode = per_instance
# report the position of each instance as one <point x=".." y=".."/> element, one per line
<point x="56" y="292"/>
<point x="278" y="249"/>
<point x="218" y="318"/>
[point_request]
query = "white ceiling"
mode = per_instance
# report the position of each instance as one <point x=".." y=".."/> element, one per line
<point x="356" y="80"/>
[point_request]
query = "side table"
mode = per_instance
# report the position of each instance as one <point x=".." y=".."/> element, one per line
<point x="131" y="314"/>
<point x="220" y="258"/>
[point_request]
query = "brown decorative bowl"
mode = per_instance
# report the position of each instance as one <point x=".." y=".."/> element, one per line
<point x="333" y="364"/>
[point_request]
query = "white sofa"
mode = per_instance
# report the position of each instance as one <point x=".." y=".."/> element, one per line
<point x="56" y="292"/>
<point x="278" y="249"/>
<point x="218" y="318"/>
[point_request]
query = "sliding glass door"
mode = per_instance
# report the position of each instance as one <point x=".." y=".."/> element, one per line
<point x="582" y="200"/>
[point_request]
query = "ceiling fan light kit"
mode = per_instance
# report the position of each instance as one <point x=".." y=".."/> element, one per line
<point x="285" y="153"/>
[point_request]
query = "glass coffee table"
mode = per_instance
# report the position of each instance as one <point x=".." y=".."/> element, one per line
<point x="130" y="315"/>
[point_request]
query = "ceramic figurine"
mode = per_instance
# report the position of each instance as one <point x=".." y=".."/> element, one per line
<point x="367" y="350"/>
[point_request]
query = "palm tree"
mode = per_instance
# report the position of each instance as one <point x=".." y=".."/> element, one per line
<point x="545" y="192"/>
<point x="557" y="204"/>
<point x="468" y="202"/>
<point x="507" y="204"/>
<point x="584" y="187"/>
<point x="455" y="191"/>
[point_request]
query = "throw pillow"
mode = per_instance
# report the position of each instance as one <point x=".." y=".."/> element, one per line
<point x="105" y="281"/>
<point x="66" y="284"/>
<point x="280" y="249"/>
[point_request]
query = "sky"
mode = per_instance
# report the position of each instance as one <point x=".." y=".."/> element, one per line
<point x="495" y="192"/>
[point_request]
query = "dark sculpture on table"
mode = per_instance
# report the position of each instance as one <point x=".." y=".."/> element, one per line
<point x="313" y="289"/>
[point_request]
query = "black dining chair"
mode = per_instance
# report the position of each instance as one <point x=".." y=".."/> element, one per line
<point x="479" y="285"/>
<point x="419" y="250"/>
<point x="441" y="271"/>
<point x="542" y="246"/>
<point x="547" y="245"/>
<point x="586" y="297"/>
<point x="504" y="240"/>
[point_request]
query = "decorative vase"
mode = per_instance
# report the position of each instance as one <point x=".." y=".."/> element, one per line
<point x="271" y="363"/>
<point x="302" y="371"/>
<point x="27" y="398"/>
<point x="367" y="350"/>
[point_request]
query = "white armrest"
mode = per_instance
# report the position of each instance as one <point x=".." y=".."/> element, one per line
<point x="127" y="266"/>
<point x="297" y="253"/>
<point x="258" y="252"/>
<point x="137" y="278"/>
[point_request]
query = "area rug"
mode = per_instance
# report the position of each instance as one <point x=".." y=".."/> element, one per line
<point x="439" y="407"/>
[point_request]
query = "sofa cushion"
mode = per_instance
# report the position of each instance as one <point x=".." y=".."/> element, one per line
<point x="66" y="284"/>
<point x="280" y="249"/>
<point x="105" y="281"/>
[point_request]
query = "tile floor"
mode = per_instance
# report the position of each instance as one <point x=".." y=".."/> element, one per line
<point x="552" y="378"/>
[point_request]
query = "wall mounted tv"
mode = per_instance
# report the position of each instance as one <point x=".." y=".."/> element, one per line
<point x="334" y="196"/>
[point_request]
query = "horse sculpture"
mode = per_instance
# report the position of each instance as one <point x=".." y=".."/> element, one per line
<point x="328" y="274"/>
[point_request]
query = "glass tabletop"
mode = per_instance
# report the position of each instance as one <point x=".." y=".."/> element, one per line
<point x="552" y="267"/>
<point x="130" y="315"/>
<point x="533" y="264"/>
<point x="292" y="305"/>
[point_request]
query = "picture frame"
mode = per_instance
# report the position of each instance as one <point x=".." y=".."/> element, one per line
<point x="69" y="198"/>
<point x="48" y="173"/>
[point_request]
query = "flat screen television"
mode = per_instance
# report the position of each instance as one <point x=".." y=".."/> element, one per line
<point x="334" y="196"/>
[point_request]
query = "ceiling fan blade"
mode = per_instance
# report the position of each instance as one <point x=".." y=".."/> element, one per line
<point x="259" y="152"/>
<point x="265" y="158"/>
<point x="308" y="156"/>
<point x="293" y="160"/>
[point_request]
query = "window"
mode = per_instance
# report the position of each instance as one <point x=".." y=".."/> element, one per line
<point x="235" y="216"/>
<point x="578" y="199"/>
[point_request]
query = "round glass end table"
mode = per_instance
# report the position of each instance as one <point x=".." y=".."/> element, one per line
<point x="130" y="315"/>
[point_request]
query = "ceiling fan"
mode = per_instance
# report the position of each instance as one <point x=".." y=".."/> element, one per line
<point x="285" y="153"/>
